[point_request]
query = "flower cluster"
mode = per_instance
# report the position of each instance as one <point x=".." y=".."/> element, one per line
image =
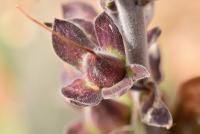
<point x="95" y="47"/>
<point x="98" y="53"/>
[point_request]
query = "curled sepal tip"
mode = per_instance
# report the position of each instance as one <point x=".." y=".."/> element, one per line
<point x="158" y="115"/>
<point x="138" y="72"/>
<point x="153" y="111"/>
<point x="118" y="89"/>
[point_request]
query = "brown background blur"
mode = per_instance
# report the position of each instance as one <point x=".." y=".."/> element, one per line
<point x="30" y="99"/>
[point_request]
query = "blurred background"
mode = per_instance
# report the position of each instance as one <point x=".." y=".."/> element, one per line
<point x="30" y="72"/>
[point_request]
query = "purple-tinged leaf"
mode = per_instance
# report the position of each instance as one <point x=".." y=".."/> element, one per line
<point x="104" y="70"/>
<point x="88" y="27"/>
<point x="154" y="60"/>
<point x="70" y="52"/>
<point x="149" y="12"/>
<point x="110" y="115"/>
<point x="138" y="72"/>
<point x="153" y="35"/>
<point x="118" y="89"/>
<point x="81" y="94"/>
<point x="153" y="111"/>
<point x="77" y="128"/>
<point x="108" y="35"/>
<point x="78" y="9"/>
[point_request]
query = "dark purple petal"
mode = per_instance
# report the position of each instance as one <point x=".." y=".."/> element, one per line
<point x="153" y="111"/>
<point x="81" y="94"/>
<point x="88" y="27"/>
<point x="154" y="60"/>
<point x="77" y="128"/>
<point x="70" y="52"/>
<point x="104" y="71"/>
<point x="78" y="9"/>
<point x="108" y="35"/>
<point x="153" y="35"/>
<point x="138" y="72"/>
<point x="118" y="89"/>
<point x="110" y="115"/>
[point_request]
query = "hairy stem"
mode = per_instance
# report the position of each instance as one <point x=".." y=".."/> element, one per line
<point x="131" y="19"/>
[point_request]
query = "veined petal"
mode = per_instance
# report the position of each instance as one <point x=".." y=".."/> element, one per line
<point x="104" y="70"/>
<point x="78" y="9"/>
<point x="71" y="52"/>
<point x="108" y="35"/>
<point x="118" y="89"/>
<point x="80" y="94"/>
<point x="88" y="27"/>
